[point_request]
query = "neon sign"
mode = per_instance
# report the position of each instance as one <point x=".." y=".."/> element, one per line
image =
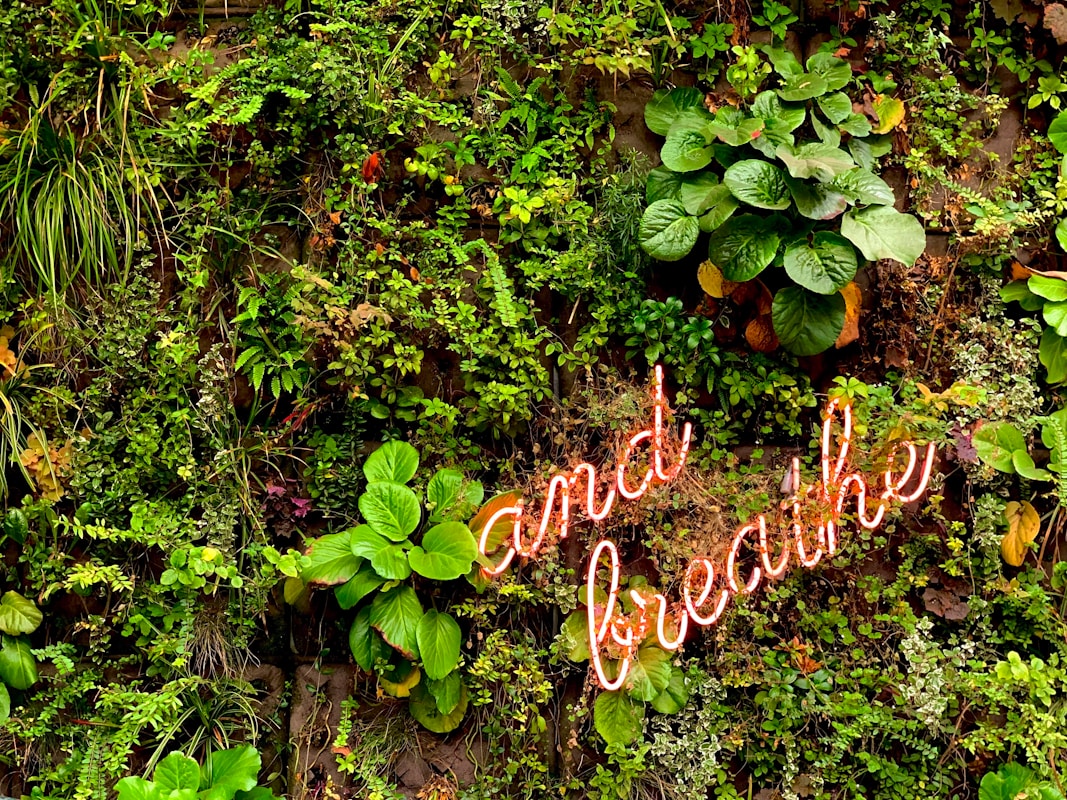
<point x="706" y="588"/>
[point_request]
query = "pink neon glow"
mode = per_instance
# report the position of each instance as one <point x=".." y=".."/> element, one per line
<point x="819" y="506"/>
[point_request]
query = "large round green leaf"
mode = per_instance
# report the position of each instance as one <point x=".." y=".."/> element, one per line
<point x="1053" y="354"/>
<point x="177" y="772"/>
<point x="332" y="560"/>
<point x="835" y="106"/>
<point x="447" y="551"/>
<point x="365" y="581"/>
<point x="802" y="87"/>
<point x="807" y="323"/>
<point x="996" y="443"/>
<point x="423" y="707"/>
<point x="1057" y="132"/>
<point x="135" y="788"/>
<point x="367" y="645"/>
<point x="825" y="265"/>
<point x="666" y="106"/>
<point x="575" y="636"/>
<point x="18" y="615"/>
<point x="18" y="669"/>
<point x="815" y="160"/>
<point x="742" y="247"/>
<point x="392" y="509"/>
<point x="447" y="691"/>
<point x="835" y="72"/>
<point x="16" y="525"/>
<point x="389" y="559"/>
<point x="674" y="695"/>
<point x="689" y="144"/>
<point x="439" y="638"/>
<point x="450" y="494"/>
<point x="649" y="673"/>
<point x="700" y="191"/>
<point x="817" y="200"/>
<point x="758" y="183"/>
<point x="667" y="232"/>
<point x="663" y="184"/>
<point x="394" y="461"/>
<point x="227" y="772"/>
<point x="617" y="717"/>
<point x="863" y="186"/>
<point x="395" y="615"/>
<point x="883" y="232"/>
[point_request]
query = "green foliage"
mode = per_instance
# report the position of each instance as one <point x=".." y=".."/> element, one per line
<point x="225" y="775"/>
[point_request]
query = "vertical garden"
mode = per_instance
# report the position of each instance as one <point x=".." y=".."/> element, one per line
<point x="471" y="399"/>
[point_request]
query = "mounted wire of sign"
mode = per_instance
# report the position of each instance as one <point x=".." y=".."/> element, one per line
<point x="706" y="586"/>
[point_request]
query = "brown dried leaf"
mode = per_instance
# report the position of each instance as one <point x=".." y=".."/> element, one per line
<point x="853" y="303"/>
<point x="760" y="335"/>
<point x="1056" y="21"/>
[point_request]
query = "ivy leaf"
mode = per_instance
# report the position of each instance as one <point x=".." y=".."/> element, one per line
<point x="1024" y="524"/>
<point x="743" y="247"/>
<point x="395" y="615"/>
<point x="825" y="266"/>
<point x="359" y="586"/>
<point x="18" y="615"/>
<point x="423" y="707"/>
<point x="176" y="772"/>
<point x="439" y="638"/>
<point x="815" y="160"/>
<point x="883" y="232"/>
<point x="667" y="106"/>
<point x="391" y="509"/>
<point x="835" y="72"/>
<point x="674" y="695"/>
<point x="667" y="232"/>
<point x="394" y="462"/>
<point x="389" y="559"/>
<point x="663" y="184"/>
<point x="758" y="183"/>
<point x="617" y="717"/>
<point x="332" y="560"/>
<point x="807" y="323"/>
<point x="995" y="443"/>
<point x="448" y="550"/>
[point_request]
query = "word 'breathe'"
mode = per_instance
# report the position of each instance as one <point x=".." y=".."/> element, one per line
<point x="705" y="589"/>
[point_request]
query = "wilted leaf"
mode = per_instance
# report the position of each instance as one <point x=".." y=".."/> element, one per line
<point x="853" y="302"/>
<point x="1056" y="21"/>
<point x="890" y="113"/>
<point x="760" y="335"/>
<point x="1023" y="527"/>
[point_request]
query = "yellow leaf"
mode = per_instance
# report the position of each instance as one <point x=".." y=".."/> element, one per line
<point x="890" y="113"/>
<point x="403" y="688"/>
<point x="853" y="301"/>
<point x="712" y="281"/>
<point x="1023" y="527"/>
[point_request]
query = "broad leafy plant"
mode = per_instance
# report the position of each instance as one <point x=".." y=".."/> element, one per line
<point x="225" y="775"/>
<point x="1047" y="294"/>
<point x="379" y="569"/>
<point x="18" y="668"/>
<point x="786" y="182"/>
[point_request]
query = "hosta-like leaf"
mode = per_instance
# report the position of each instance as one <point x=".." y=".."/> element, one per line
<point x="226" y="772"/>
<point x="439" y="638"/>
<point x="667" y="106"/>
<point x="863" y="186"/>
<point x="995" y="443"/>
<point x="617" y="718"/>
<point x="835" y="106"/>
<point x="367" y="645"/>
<point x="1055" y="314"/>
<point x="667" y="232"/>
<point x="719" y="213"/>
<point x="859" y="126"/>
<point x="650" y="672"/>
<point x="135" y="788"/>
<point x="392" y="509"/>
<point x="700" y="192"/>
<point x="815" y="160"/>
<point x="1054" y="289"/>
<point x="1061" y="233"/>
<point x="395" y="615"/>
<point x="18" y="615"/>
<point x="883" y="232"/>
<point x="452" y="495"/>
<point x="674" y="695"/>
<point x="332" y="560"/>
<point x="423" y="707"/>
<point x="758" y="183"/>
<point x="663" y="184"/>
<point x="365" y="581"/>
<point x="688" y="145"/>
<point x="1053" y="354"/>
<point x="389" y="559"/>
<point x="176" y="772"/>
<point x="825" y="265"/>
<point x="835" y="72"/>
<point x="771" y="110"/>
<point x="448" y="550"/>
<point x="807" y="323"/>
<point x="743" y="247"/>
<point x="394" y="461"/>
<point x="447" y="691"/>
<point x="803" y="87"/>
<point x="816" y="200"/>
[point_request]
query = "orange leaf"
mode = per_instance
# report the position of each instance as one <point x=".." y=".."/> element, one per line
<point x="765" y="301"/>
<point x="1019" y="272"/>
<point x="712" y="281"/>
<point x="853" y="302"/>
<point x="760" y="335"/>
